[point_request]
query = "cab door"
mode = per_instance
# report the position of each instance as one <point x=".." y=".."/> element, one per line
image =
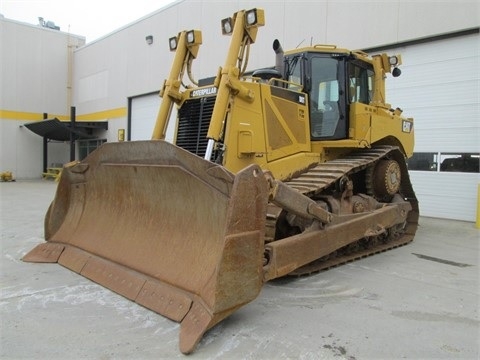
<point x="326" y="85"/>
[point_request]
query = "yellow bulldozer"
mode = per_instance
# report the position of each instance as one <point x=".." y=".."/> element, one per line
<point x="287" y="170"/>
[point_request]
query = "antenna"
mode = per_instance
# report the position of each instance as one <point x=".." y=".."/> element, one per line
<point x="301" y="42"/>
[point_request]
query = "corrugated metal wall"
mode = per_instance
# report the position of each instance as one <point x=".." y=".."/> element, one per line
<point x="439" y="87"/>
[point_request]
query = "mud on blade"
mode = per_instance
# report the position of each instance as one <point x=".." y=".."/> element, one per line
<point x="162" y="227"/>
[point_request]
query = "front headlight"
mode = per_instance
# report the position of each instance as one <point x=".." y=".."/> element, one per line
<point x="254" y="17"/>
<point x="172" y="42"/>
<point x="190" y="37"/>
<point x="251" y="17"/>
<point x="227" y="26"/>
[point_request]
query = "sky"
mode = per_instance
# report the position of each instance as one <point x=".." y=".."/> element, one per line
<point x="90" y="18"/>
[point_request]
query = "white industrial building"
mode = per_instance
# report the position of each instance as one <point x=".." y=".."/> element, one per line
<point x="113" y="82"/>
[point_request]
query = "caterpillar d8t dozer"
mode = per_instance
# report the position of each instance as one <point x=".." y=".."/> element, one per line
<point x="286" y="170"/>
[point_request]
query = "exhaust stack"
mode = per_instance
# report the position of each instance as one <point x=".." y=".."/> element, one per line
<point x="279" y="64"/>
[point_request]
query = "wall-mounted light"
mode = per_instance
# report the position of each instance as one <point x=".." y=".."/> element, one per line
<point x="121" y="134"/>
<point x="149" y="39"/>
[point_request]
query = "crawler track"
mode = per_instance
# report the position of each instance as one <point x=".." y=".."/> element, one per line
<point x="318" y="179"/>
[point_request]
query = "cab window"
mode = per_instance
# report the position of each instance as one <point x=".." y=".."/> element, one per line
<point x="360" y="79"/>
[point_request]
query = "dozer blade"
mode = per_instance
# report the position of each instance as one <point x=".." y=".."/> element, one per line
<point x="175" y="233"/>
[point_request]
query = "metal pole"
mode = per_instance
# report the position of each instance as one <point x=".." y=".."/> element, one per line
<point x="72" y="135"/>
<point x="45" y="147"/>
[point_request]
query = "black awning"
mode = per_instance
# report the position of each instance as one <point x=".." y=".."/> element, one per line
<point x="55" y="129"/>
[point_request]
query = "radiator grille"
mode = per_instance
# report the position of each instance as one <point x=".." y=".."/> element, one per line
<point x="193" y="122"/>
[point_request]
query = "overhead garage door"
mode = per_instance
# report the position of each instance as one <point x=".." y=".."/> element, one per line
<point x="439" y="88"/>
<point x="143" y="114"/>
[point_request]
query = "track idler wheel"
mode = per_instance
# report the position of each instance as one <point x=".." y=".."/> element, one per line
<point x="386" y="179"/>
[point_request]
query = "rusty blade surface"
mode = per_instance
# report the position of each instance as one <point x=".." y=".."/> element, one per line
<point x="165" y="228"/>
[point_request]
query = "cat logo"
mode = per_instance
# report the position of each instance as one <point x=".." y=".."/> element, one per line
<point x="203" y="92"/>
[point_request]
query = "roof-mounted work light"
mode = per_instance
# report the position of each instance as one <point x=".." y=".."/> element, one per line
<point x="393" y="60"/>
<point x="389" y="62"/>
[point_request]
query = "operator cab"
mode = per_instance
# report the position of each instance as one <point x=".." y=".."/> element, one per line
<point x="332" y="81"/>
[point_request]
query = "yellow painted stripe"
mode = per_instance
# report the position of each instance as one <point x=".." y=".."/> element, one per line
<point x="103" y="115"/>
<point x="20" y="115"/>
<point x="96" y="116"/>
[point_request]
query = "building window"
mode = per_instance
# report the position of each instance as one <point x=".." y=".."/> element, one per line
<point x="85" y="147"/>
<point x="464" y="162"/>
<point x="445" y="162"/>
